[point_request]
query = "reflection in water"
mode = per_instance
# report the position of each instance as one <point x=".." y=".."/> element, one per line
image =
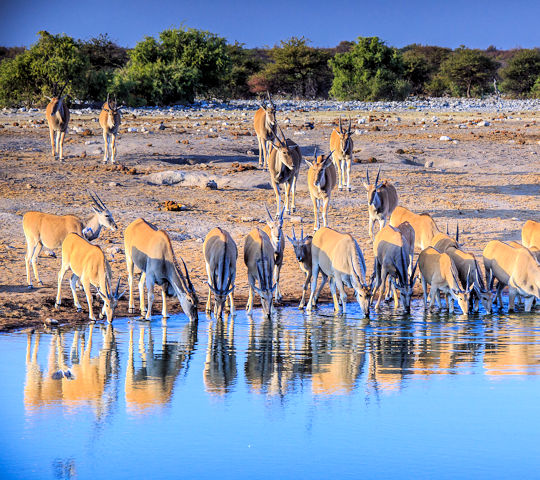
<point x="220" y="365"/>
<point x="76" y="379"/>
<point x="151" y="383"/>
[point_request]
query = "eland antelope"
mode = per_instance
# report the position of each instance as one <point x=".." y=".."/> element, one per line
<point x="259" y="260"/>
<point x="284" y="160"/>
<point x="393" y="255"/>
<point x="57" y="114"/>
<point x="109" y="120"/>
<point x="424" y="226"/>
<point x="341" y="146"/>
<point x="321" y="179"/>
<point x="339" y="257"/>
<point x="220" y="254"/>
<point x="265" y="126"/>
<point x="515" y="267"/>
<point x="530" y="234"/>
<point x="88" y="263"/>
<point x="49" y="231"/>
<point x="439" y="270"/>
<point x="274" y="230"/>
<point x="150" y="251"/>
<point x="382" y="201"/>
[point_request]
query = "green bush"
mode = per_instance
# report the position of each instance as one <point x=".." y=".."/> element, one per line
<point x="369" y="71"/>
<point x="421" y="65"/>
<point x="535" y="91"/>
<point x="521" y="73"/>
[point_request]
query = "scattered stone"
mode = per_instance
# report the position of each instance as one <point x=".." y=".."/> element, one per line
<point x="185" y="142"/>
<point x="86" y="132"/>
<point x="172" y="206"/>
<point x="114" y="250"/>
<point x="132" y="130"/>
<point x="248" y="219"/>
<point x="29" y="186"/>
<point x="428" y="164"/>
<point x="161" y="126"/>
<point x="251" y="153"/>
<point x="400" y="151"/>
<point x="445" y="138"/>
<point x="483" y="123"/>
<point x="114" y="184"/>
<point x="97" y="151"/>
<point x="51" y="321"/>
<point x="211" y="185"/>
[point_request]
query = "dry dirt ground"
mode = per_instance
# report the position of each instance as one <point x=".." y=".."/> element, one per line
<point x="488" y="181"/>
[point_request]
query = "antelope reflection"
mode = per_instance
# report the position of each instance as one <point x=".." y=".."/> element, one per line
<point x="73" y="380"/>
<point x="151" y="384"/>
<point x="220" y="365"/>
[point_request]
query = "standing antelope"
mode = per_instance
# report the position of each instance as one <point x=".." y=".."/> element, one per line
<point x="259" y="260"/>
<point x="439" y="271"/>
<point x="341" y="146"/>
<point x="321" y="179"/>
<point x="530" y="234"/>
<point x="274" y="230"/>
<point x="220" y="255"/>
<point x="393" y="254"/>
<point x="424" y="226"/>
<point x="109" y="120"/>
<point x="57" y="114"/>
<point x="284" y="160"/>
<point x="265" y="125"/>
<point x="515" y="267"/>
<point x="382" y="201"/>
<point x="150" y="250"/>
<point x="49" y="231"/>
<point x="339" y="257"/>
<point x="88" y="263"/>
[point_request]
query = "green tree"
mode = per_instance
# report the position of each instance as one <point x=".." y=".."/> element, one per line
<point x="521" y="73"/>
<point x="468" y="71"/>
<point x="421" y="64"/>
<point x="369" y="71"/>
<point x="297" y="69"/>
<point x="175" y="68"/>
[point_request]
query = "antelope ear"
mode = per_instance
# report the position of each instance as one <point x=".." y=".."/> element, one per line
<point x="290" y="239"/>
<point x="308" y="162"/>
<point x="366" y="186"/>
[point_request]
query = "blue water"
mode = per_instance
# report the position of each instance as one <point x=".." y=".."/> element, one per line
<point x="294" y="397"/>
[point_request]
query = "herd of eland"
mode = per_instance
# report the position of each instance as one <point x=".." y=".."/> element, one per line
<point x="442" y="263"/>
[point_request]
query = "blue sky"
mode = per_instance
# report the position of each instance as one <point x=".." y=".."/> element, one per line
<point x="476" y="24"/>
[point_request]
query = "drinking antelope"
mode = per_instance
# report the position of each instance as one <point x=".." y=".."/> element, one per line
<point x="109" y="120"/>
<point x="302" y="251"/>
<point x="321" y="179"/>
<point x="150" y="251"/>
<point x="382" y="201"/>
<point x="339" y="257"/>
<point x="220" y="255"/>
<point x="530" y="234"/>
<point x="424" y="226"/>
<point x="438" y="270"/>
<point x="49" y="231"/>
<point x="515" y="267"/>
<point x="284" y="160"/>
<point x="265" y="125"/>
<point x="259" y="260"/>
<point x="57" y="114"/>
<point x="88" y="263"/>
<point x="393" y="254"/>
<point x="341" y="146"/>
<point x="274" y="230"/>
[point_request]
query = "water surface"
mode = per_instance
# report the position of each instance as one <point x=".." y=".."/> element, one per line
<point x="420" y="396"/>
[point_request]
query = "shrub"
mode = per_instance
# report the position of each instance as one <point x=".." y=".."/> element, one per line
<point x="521" y="73"/>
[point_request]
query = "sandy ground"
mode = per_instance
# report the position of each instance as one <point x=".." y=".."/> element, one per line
<point x="488" y="180"/>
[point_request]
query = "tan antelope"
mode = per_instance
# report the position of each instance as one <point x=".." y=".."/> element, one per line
<point x="274" y="230"/>
<point x="57" y="114"/>
<point x="265" y="126"/>
<point x="438" y="270"/>
<point x="468" y="270"/>
<point x="88" y="263"/>
<point x="393" y="254"/>
<point x="302" y="251"/>
<point x="220" y="254"/>
<point x="49" y="231"/>
<point x="150" y="251"/>
<point x="382" y="200"/>
<point x="515" y="267"/>
<point x="530" y="234"/>
<point x="341" y="146"/>
<point x="535" y="251"/>
<point x="284" y="160"/>
<point x="424" y="226"/>
<point x="322" y="180"/>
<point x="339" y="257"/>
<point x="109" y="120"/>
<point x="259" y="260"/>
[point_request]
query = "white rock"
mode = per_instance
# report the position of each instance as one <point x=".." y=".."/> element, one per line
<point x="445" y="138"/>
<point x="97" y="151"/>
<point x="132" y="129"/>
<point x="483" y="123"/>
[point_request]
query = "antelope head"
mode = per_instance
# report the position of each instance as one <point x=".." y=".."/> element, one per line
<point x="463" y="295"/>
<point x="270" y="110"/>
<point x="302" y="246"/>
<point x="105" y="217"/>
<point x="405" y="287"/>
<point x="373" y="196"/>
<point x="286" y="155"/>
<point x="319" y="165"/>
<point x="110" y="300"/>
<point x="111" y="106"/>
<point x="276" y="227"/>
<point x="266" y="291"/>
<point x="344" y="136"/>
<point x="188" y="297"/>
<point x="485" y="295"/>
<point x="57" y="99"/>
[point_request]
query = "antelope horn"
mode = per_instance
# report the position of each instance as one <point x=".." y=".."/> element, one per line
<point x="468" y="273"/>
<point x="447" y="232"/>
<point x="414" y="268"/>
<point x="96" y="203"/>
<point x="302" y="233"/>
<point x="268" y="212"/>
<point x="367" y="175"/>
<point x="187" y="275"/>
<point x="377" y="179"/>
<point x="108" y="98"/>
<point x="457" y="232"/>
<point x="293" y="234"/>
<point x="117" y="288"/>
<point x="315" y="154"/>
<point x="340" y="128"/>
<point x="349" y="129"/>
<point x="284" y="139"/>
